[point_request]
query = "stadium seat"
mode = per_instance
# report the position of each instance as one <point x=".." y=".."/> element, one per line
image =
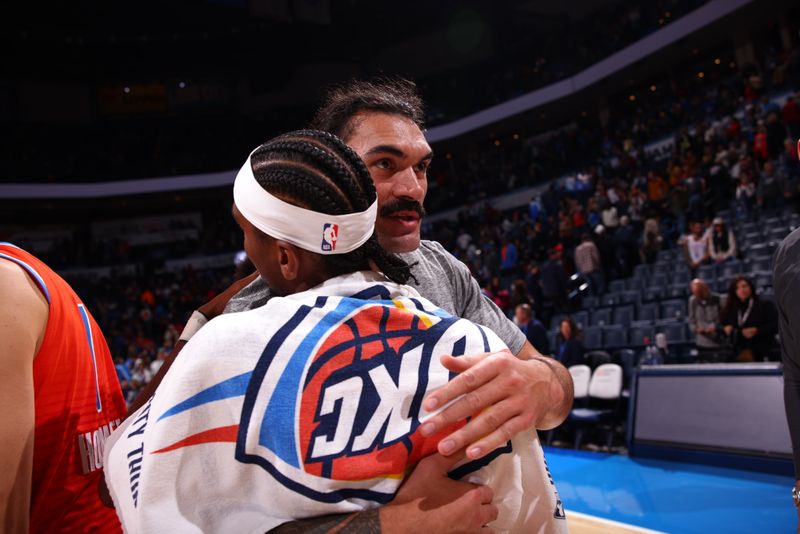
<point x="673" y="309"/>
<point x="647" y="312"/>
<point x="675" y="331"/>
<point x="616" y="286"/>
<point x="653" y="293"/>
<point x="707" y="273"/>
<point x="630" y="297"/>
<point x="680" y="277"/>
<point x="638" y="332"/>
<point x="605" y="388"/>
<point x="601" y="316"/>
<point x="641" y="272"/>
<point x="614" y="337"/>
<point x="593" y="337"/>
<point x="623" y="315"/>
<point x="590" y="302"/>
<point x="730" y="268"/>
<point x="581" y="374"/>
<point x="676" y="291"/>
<point x="609" y="299"/>
<point x="659" y="280"/>
<point x="596" y="358"/>
<point x="758" y="265"/>
<point x="625" y="358"/>
<point x="581" y="319"/>
<point x="636" y="284"/>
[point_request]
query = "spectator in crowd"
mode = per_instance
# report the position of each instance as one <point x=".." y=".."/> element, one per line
<point x="704" y="321"/>
<point x="533" y="329"/>
<point x="625" y="239"/>
<point x="696" y="246"/>
<point x="587" y="262"/>
<point x="569" y="348"/>
<point x="554" y="281"/>
<point x="651" y="240"/>
<point x="722" y="242"/>
<point x="749" y="322"/>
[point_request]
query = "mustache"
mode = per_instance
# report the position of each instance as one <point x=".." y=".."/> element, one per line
<point x="402" y="204"/>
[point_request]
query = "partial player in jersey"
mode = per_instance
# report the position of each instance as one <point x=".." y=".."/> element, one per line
<point x="61" y="400"/>
<point x="312" y="404"/>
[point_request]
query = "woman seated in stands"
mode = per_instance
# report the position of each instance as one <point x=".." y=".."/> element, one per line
<point x="749" y="322"/>
<point x="722" y="245"/>
<point x="569" y="349"/>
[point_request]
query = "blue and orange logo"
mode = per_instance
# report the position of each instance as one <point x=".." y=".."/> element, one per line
<point x="340" y="413"/>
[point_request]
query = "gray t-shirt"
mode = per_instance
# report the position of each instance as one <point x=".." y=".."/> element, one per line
<point x="441" y="278"/>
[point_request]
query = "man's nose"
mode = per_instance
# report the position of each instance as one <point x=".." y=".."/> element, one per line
<point x="407" y="184"/>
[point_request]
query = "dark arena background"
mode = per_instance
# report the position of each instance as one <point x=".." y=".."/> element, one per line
<point x="582" y="150"/>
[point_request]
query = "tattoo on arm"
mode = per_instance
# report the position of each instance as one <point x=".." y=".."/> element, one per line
<point x="360" y="523"/>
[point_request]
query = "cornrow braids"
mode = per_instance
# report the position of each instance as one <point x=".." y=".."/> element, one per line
<point x="393" y="95"/>
<point x="316" y="170"/>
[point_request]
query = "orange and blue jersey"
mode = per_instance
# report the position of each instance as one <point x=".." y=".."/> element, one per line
<point x="78" y="403"/>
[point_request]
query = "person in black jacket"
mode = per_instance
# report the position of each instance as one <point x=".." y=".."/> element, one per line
<point x="750" y="323"/>
<point x="786" y="281"/>
<point x="569" y="349"/>
<point x="532" y="328"/>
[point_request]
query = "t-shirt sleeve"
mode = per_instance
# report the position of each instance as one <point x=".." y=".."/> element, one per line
<point x="252" y="296"/>
<point x="474" y="306"/>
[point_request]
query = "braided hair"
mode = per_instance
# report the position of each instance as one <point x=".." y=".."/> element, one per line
<point x="317" y="171"/>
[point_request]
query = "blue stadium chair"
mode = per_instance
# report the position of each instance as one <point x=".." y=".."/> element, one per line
<point x="616" y="286"/>
<point x="763" y="281"/>
<point x="590" y="302"/>
<point x="614" y="337"/>
<point x="680" y="277"/>
<point x="758" y="265"/>
<point x="647" y="312"/>
<point x="609" y="299"/>
<point x="630" y="297"/>
<point x="605" y="389"/>
<point x="659" y="280"/>
<point x="641" y="271"/>
<point x="730" y="268"/>
<point x="653" y="293"/>
<point x="707" y="273"/>
<point x="675" y="332"/>
<point x="761" y="250"/>
<point x="625" y="358"/>
<point x="676" y="291"/>
<point x="777" y="233"/>
<point x="623" y="315"/>
<point x="636" y="284"/>
<point x="638" y="332"/>
<point x="593" y="337"/>
<point x="673" y="309"/>
<point x="581" y="318"/>
<point x="664" y="268"/>
<point x="601" y="317"/>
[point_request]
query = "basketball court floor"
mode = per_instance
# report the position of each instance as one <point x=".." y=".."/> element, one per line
<point x="605" y="493"/>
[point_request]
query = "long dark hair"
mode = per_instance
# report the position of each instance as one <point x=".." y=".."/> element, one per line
<point x="574" y="331"/>
<point x="316" y="170"/>
<point x="732" y="303"/>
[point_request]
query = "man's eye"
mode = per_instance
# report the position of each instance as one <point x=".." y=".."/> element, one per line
<point x="384" y="164"/>
<point x="423" y="167"/>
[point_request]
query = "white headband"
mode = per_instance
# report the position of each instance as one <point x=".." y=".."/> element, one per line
<point x="309" y="230"/>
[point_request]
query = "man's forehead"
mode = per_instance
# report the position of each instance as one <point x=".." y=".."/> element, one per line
<point x="375" y="131"/>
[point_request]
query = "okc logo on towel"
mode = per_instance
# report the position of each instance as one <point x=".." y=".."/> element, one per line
<point x="330" y="233"/>
<point x="339" y="419"/>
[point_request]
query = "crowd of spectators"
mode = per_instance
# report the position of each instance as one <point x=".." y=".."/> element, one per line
<point x="619" y="207"/>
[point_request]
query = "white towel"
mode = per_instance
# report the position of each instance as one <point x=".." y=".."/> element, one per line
<point x="307" y="406"/>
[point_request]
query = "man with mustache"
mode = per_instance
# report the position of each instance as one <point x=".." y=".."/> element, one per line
<point x="382" y="121"/>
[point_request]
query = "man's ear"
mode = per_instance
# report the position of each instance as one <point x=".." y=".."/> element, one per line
<point x="288" y="260"/>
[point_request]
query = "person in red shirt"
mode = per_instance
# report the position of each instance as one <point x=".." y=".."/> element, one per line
<point x="61" y="399"/>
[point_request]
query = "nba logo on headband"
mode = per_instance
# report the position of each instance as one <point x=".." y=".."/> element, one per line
<point x="330" y="233"/>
